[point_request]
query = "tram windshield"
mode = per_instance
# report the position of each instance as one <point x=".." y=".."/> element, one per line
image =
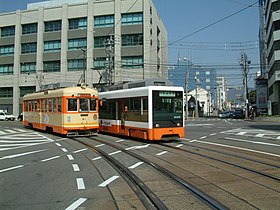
<point x="168" y="106"/>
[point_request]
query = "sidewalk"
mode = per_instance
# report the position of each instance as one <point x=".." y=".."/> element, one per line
<point x="268" y="119"/>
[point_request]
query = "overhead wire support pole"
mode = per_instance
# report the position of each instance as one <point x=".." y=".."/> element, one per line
<point x="245" y="69"/>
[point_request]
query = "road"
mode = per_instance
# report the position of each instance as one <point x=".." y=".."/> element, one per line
<point x="43" y="171"/>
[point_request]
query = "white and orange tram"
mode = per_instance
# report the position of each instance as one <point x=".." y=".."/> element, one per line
<point x="148" y="113"/>
<point x="68" y="111"/>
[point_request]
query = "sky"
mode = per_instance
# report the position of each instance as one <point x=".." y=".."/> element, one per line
<point x="211" y="33"/>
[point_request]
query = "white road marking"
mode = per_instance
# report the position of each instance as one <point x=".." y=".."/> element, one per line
<point x="138" y="147"/>
<point x="75" y="167"/>
<point x="260" y="135"/>
<point x="12" y="168"/>
<point x="179" y="145"/>
<point x="278" y="137"/>
<point x="245" y="149"/>
<point x="76" y="204"/>
<point x="161" y="153"/>
<point x="108" y="181"/>
<point x="51" y="158"/>
<point x="22" y="154"/>
<point x="70" y="157"/>
<point x="80" y="183"/>
<point x="100" y="145"/>
<point x="203" y="137"/>
<point x="241" y="133"/>
<point x="64" y="150"/>
<point x="135" y="165"/>
<point x="2" y="132"/>
<point x="80" y="150"/>
<point x="97" y="158"/>
<point x="254" y="142"/>
<point x="113" y="153"/>
<point x="213" y="134"/>
<point x="58" y="144"/>
<point x="10" y="131"/>
<point x="119" y="140"/>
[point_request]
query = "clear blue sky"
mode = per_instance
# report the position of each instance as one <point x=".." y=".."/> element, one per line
<point x="216" y="46"/>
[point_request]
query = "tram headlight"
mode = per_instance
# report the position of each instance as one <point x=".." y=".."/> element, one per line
<point x="157" y="125"/>
<point x="178" y="124"/>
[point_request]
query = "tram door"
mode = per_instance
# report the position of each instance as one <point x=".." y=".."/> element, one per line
<point x="122" y="109"/>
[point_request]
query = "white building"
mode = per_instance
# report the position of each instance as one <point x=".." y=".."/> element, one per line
<point x="204" y="100"/>
<point x="71" y="41"/>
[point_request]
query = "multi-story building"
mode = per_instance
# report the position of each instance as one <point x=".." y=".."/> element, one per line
<point x="221" y="93"/>
<point x="272" y="39"/>
<point x="71" y="41"/>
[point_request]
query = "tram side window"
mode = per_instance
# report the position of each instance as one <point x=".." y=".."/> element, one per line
<point x="108" y="110"/>
<point x="44" y="106"/>
<point x="54" y="102"/>
<point x="92" y="104"/>
<point x="29" y="106"/>
<point x="50" y="105"/>
<point x="59" y="105"/>
<point x="72" y="104"/>
<point x="83" y="105"/>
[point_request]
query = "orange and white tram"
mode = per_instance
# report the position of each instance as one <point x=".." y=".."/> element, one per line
<point x="149" y="113"/>
<point x="67" y="111"/>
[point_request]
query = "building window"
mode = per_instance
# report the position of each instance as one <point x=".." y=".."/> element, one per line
<point x="26" y="90"/>
<point x="28" y="68"/>
<point x="208" y="87"/>
<point x="133" y="18"/>
<point x="77" y="43"/>
<point x="104" y="21"/>
<point x="100" y="63"/>
<point x="28" y="48"/>
<point x="29" y="28"/>
<point x="7" y="31"/>
<point x="79" y="23"/>
<point x="76" y="65"/>
<point x="6" y="92"/>
<point x="197" y="73"/>
<point x="7" y="50"/>
<point x="132" y="62"/>
<point x="52" y="46"/>
<point x="51" y="66"/>
<point x="207" y="72"/>
<point x="133" y="39"/>
<point x="100" y="42"/>
<point x="53" y="26"/>
<point x="6" y="69"/>
<point x="207" y="80"/>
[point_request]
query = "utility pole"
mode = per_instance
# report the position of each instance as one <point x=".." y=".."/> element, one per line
<point x="244" y="63"/>
<point x="110" y="69"/>
<point x="82" y="79"/>
<point x="196" y="102"/>
<point x="186" y="89"/>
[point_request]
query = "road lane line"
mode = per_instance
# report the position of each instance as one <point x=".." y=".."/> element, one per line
<point x="97" y="158"/>
<point x="80" y="183"/>
<point x="100" y="145"/>
<point x="11" y="168"/>
<point x="58" y="144"/>
<point x="254" y="142"/>
<point x="245" y="149"/>
<point x="259" y="135"/>
<point x="22" y="154"/>
<point x="64" y="150"/>
<point x="70" y="157"/>
<point x="75" y="167"/>
<point x="113" y="153"/>
<point x="121" y="140"/>
<point x="80" y="150"/>
<point x="135" y="165"/>
<point x="51" y="158"/>
<point x="241" y="133"/>
<point x="161" y="153"/>
<point x="108" y="181"/>
<point x="213" y="134"/>
<point x="76" y="204"/>
<point x="203" y="137"/>
<point x="179" y="145"/>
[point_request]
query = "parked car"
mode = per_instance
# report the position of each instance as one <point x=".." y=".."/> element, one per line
<point x="225" y="114"/>
<point x="5" y="116"/>
<point x="238" y="114"/>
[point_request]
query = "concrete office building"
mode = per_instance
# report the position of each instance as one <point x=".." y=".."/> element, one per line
<point x="61" y="41"/>
<point x="272" y="39"/>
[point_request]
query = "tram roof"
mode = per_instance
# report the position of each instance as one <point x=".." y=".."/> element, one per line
<point x="67" y="91"/>
<point x="135" y="92"/>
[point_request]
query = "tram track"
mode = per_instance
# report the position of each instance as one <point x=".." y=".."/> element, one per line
<point x="129" y="176"/>
<point x="270" y="176"/>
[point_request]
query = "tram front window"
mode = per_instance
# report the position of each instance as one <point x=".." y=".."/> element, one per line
<point x="167" y="108"/>
<point x="84" y="105"/>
